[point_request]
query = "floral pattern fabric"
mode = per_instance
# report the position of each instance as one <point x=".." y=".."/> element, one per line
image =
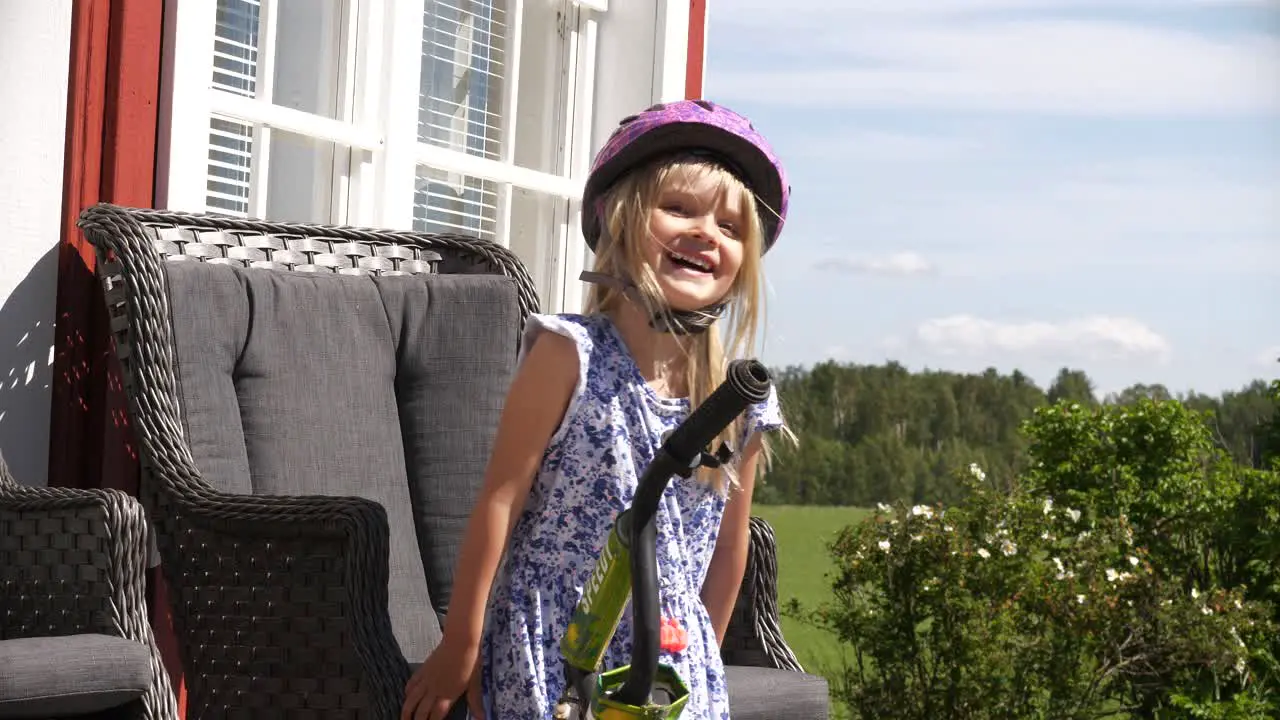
<point x="611" y="430"/>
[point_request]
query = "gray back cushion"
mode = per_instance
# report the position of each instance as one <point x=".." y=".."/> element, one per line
<point x="388" y="388"/>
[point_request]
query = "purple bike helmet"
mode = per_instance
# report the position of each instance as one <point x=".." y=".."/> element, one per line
<point x="696" y="126"/>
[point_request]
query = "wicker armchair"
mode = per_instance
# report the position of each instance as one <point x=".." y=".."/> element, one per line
<point x="311" y="442"/>
<point x="74" y="635"/>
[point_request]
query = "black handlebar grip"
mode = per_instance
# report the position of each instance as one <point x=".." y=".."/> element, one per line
<point x="746" y="382"/>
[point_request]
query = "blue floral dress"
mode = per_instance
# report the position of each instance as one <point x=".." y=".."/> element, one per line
<point x="611" y="430"/>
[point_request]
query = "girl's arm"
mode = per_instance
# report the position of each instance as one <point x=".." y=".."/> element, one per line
<point x="534" y="407"/>
<point x="729" y="560"/>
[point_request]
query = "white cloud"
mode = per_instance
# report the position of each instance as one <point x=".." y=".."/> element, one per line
<point x="928" y="59"/>
<point x="897" y="264"/>
<point x="1269" y="358"/>
<point x="1094" y="338"/>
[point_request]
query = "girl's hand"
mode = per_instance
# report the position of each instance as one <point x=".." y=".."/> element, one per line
<point x="447" y="673"/>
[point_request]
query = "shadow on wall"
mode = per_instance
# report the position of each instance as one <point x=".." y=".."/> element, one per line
<point x="26" y="370"/>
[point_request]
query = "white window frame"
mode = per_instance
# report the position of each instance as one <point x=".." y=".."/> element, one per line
<point x="641" y="60"/>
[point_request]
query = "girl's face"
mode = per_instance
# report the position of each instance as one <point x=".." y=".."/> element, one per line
<point x="695" y="242"/>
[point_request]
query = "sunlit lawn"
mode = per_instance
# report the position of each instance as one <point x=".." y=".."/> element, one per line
<point x="803" y="562"/>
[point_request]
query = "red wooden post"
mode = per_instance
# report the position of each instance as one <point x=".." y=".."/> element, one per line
<point x="696" y="59"/>
<point x="112" y="113"/>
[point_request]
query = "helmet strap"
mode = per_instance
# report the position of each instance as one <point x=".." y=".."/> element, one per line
<point x="667" y="320"/>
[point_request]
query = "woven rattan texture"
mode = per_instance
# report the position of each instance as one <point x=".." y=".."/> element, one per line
<point x="53" y="572"/>
<point x="280" y="603"/>
<point x="754" y="637"/>
<point x="276" y="633"/>
<point x="73" y="561"/>
<point x="334" y="655"/>
<point x="307" y="247"/>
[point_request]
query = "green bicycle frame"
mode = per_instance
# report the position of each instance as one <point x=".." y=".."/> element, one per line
<point x="627" y="569"/>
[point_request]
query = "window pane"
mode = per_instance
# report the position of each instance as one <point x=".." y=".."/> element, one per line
<point x="453" y="203"/>
<point x="306" y="52"/>
<point x="300" y="179"/>
<point x="463" y="73"/>
<point x="275" y="175"/>
<point x="235" y="47"/>
<point x="230" y="155"/>
<point x="300" y="174"/>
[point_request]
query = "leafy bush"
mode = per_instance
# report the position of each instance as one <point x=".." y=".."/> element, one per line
<point x="1125" y="575"/>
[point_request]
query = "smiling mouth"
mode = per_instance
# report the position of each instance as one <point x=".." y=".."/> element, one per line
<point x="689" y="262"/>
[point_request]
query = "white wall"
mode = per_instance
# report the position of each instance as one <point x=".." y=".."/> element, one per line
<point x="645" y="46"/>
<point x="35" y="35"/>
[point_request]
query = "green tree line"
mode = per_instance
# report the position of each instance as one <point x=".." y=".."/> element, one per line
<point x="881" y="433"/>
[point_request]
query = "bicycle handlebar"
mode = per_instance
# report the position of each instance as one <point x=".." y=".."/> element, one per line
<point x="628" y="564"/>
<point x="746" y="382"/>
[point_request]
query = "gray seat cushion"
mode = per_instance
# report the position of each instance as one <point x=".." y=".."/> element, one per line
<point x="45" y="677"/>
<point x="768" y="694"/>
<point x="389" y="388"/>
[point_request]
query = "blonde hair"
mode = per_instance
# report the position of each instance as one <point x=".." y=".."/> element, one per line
<point x="625" y="220"/>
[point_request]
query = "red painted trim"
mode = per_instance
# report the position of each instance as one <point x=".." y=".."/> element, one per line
<point x="85" y="99"/>
<point x="133" y="91"/>
<point x="112" y="100"/>
<point x="696" y="60"/>
<point x="76" y="431"/>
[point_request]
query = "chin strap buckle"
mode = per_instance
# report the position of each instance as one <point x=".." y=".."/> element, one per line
<point x="675" y="322"/>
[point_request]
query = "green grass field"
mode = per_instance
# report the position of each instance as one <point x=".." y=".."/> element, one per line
<point x="803" y="563"/>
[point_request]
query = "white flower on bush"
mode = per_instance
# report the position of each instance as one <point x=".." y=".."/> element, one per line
<point x="1074" y="514"/>
<point x="1114" y="576"/>
<point x="882" y="507"/>
<point x="1008" y="548"/>
<point x="977" y="472"/>
<point x="984" y="553"/>
<point x="1048" y="506"/>
<point x="922" y="510"/>
<point x="1133" y="561"/>
<point x="885" y="545"/>
<point x="1236" y="635"/>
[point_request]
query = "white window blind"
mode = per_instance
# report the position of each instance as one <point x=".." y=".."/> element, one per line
<point x="235" y="70"/>
<point x="460" y="108"/>
<point x="307" y="112"/>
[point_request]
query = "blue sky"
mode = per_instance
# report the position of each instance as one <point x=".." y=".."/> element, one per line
<point x="1020" y="183"/>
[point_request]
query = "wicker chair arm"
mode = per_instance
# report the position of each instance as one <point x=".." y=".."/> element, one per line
<point x="309" y="574"/>
<point x="73" y="561"/>
<point x="754" y="637"/>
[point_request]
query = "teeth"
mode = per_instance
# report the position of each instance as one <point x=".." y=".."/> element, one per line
<point x="698" y="262"/>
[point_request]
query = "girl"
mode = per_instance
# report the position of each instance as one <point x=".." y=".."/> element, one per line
<point x="679" y="207"/>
